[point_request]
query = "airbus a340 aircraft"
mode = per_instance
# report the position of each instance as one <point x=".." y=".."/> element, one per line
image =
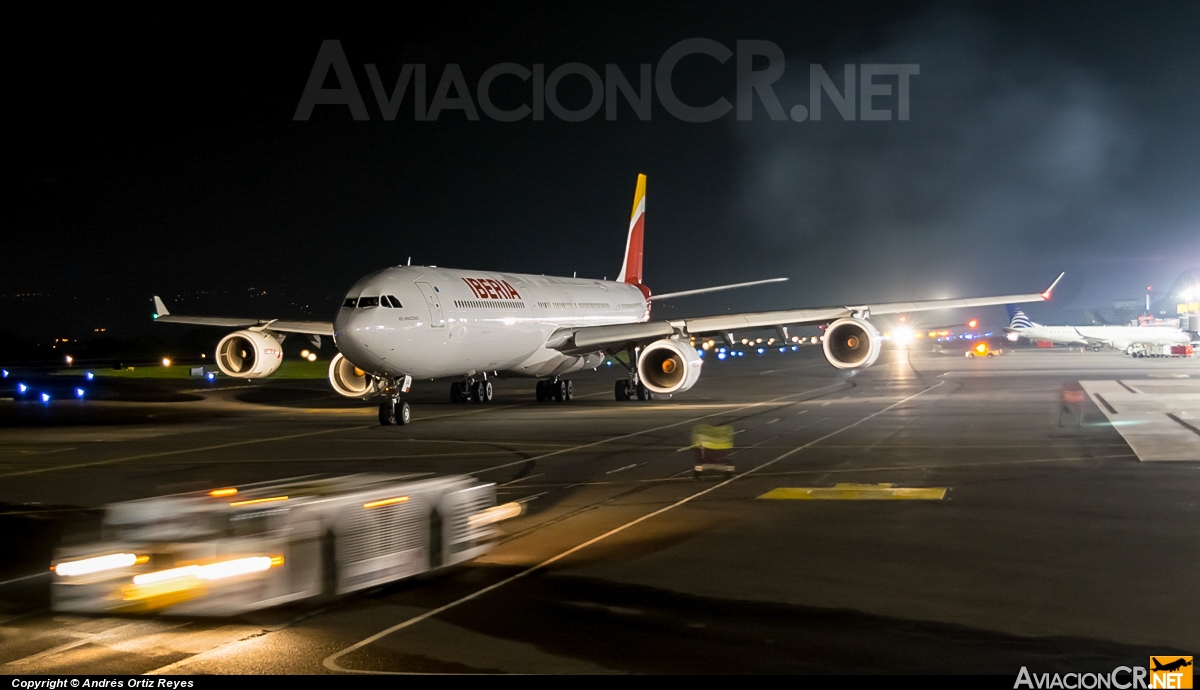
<point x="1096" y="337"/>
<point x="423" y="322"/>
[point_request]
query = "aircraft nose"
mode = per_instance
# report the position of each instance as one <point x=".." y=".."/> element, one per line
<point x="356" y="335"/>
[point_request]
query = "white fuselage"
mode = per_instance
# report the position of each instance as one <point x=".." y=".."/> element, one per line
<point x="454" y="322"/>
<point x="1118" y="337"/>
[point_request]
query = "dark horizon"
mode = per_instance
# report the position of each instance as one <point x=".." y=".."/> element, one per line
<point x="1042" y="138"/>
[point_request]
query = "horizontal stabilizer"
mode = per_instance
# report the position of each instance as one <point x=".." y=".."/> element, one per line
<point x="718" y="288"/>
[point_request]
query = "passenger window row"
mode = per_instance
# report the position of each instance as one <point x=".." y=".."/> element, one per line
<point x="389" y="301"/>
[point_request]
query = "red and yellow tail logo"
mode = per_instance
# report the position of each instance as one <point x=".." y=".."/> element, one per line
<point x="631" y="270"/>
<point x="1170" y="672"/>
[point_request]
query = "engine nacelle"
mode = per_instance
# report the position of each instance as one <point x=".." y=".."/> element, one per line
<point x="350" y="381"/>
<point x="669" y="366"/>
<point x="851" y="343"/>
<point x="249" y="354"/>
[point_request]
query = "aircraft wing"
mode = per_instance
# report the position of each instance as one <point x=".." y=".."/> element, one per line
<point x="280" y="325"/>
<point x="606" y="336"/>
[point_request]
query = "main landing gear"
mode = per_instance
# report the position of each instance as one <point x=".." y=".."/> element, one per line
<point x="471" y="390"/>
<point x="394" y="410"/>
<point x="628" y="389"/>
<point x="559" y="390"/>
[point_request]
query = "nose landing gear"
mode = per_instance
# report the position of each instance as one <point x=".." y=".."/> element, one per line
<point x="394" y="410"/>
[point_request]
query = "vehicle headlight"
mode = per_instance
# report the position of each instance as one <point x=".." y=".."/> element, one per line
<point x="98" y="564"/>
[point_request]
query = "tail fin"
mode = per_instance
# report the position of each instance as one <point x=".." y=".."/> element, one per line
<point x="631" y="269"/>
<point x="1019" y="320"/>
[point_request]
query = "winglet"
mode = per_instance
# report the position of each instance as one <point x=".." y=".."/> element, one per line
<point x="1046" y="294"/>
<point x="160" y="309"/>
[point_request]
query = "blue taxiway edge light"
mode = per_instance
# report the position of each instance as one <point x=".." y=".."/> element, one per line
<point x="90" y="376"/>
<point x="79" y="393"/>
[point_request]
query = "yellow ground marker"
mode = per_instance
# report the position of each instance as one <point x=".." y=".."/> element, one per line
<point x="857" y="492"/>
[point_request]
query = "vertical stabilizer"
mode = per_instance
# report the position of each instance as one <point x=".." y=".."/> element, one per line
<point x="1019" y="320"/>
<point x="631" y="269"/>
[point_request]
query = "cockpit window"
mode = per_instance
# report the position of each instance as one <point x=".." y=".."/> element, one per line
<point x="364" y="302"/>
<point x="350" y="303"/>
<point x="391" y="301"/>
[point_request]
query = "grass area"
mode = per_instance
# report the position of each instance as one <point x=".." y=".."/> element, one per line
<point x="289" y="369"/>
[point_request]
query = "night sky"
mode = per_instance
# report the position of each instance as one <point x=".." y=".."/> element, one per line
<point x="164" y="158"/>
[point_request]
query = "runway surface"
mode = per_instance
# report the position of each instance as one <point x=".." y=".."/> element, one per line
<point x="1052" y="546"/>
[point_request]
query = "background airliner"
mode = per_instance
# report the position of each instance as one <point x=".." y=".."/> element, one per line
<point x="1097" y="337"/>
<point x="423" y="322"/>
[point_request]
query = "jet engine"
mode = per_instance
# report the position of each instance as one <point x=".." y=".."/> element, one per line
<point x="851" y="344"/>
<point x="669" y="366"/>
<point x="350" y="381"/>
<point x="249" y="354"/>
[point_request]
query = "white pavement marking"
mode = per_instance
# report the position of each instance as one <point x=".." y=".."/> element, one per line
<point x="729" y="410"/>
<point x="725" y="409"/>
<point x="1160" y="421"/>
<point x="539" y="474"/>
<point x="27" y="577"/>
<point x="166" y="453"/>
<point x="330" y="661"/>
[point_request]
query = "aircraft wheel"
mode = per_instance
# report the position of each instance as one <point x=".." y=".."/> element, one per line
<point x="621" y="390"/>
<point x="990" y="355"/>
<point x="568" y="389"/>
<point x="403" y="414"/>
<point x="387" y="413"/>
<point x="456" y="392"/>
<point x="643" y="393"/>
<point x="483" y="391"/>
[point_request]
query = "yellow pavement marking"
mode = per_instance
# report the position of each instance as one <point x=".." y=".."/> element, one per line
<point x="858" y="492"/>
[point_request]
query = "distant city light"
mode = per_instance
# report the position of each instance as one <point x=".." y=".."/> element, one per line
<point x="70" y="359"/>
<point x="166" y="362"/>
